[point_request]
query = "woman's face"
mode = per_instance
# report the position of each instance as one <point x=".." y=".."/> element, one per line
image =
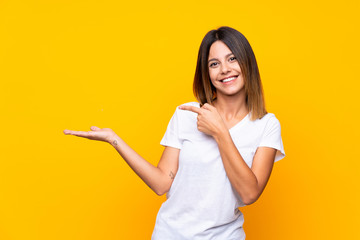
<point x="224" y="70"/>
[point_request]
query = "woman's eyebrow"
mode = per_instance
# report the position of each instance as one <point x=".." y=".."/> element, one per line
<point x="213" y="59"/>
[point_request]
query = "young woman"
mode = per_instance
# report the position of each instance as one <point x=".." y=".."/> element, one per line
<point x="219" y="152"/>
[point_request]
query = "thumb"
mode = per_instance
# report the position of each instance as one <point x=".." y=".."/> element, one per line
<point x="93" y="128"/>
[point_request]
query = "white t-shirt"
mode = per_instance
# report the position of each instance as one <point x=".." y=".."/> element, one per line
<point x="201" y="203"/>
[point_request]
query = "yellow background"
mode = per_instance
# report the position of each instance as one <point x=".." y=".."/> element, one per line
<point x="127" y="65"/>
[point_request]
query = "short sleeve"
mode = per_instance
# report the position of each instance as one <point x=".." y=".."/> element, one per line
<point x="171" y="137"/>
<point x="272" y="138"/>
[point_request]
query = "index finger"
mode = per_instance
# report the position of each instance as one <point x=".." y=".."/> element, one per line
<point x="77" y="133"/>
<point x="191" y="108"/>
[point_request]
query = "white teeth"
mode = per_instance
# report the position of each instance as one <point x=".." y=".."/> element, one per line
<point x="228" y="79"/>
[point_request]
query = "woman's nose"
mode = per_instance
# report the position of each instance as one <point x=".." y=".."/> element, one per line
<point x="225" y="68"/>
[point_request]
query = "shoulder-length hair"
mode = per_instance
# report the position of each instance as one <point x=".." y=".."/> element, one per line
<point x="204" y="90"/>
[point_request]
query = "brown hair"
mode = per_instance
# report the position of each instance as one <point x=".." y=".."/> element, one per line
<point x="204" y="90"/>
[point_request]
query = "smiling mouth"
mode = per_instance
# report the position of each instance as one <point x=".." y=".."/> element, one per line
<point x="228" y="79"/>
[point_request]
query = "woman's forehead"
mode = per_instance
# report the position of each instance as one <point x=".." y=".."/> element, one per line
<point x="219" y="50"/>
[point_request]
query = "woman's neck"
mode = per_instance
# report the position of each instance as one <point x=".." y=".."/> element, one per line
<point x="231" y="107"/>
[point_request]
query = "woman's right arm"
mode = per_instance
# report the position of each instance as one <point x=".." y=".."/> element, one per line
<point x="159" y="178"/>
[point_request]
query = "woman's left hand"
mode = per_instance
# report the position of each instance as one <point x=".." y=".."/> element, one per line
<point x="209" y="120"/>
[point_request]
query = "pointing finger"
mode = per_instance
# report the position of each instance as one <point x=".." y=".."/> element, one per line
<point x="191" y="108"/>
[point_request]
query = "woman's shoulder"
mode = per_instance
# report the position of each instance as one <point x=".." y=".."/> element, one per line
<point x="194" y="104"/>
<point x="185" y="115"/>
<point x="268" y="116"/>
<point x="268" y="120"/>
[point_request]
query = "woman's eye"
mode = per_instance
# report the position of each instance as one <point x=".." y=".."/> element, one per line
<point x="232" y="58"/>
<point x="213" y="64"/>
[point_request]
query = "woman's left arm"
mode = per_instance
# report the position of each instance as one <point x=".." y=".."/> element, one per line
<point x="249" y="183"/>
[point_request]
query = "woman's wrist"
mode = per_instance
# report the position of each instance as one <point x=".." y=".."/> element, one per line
<point x="113" y="140"/>
<point x="221" y="135"/>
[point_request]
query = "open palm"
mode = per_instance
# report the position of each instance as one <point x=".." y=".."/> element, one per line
<point x="100" y="134"/>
